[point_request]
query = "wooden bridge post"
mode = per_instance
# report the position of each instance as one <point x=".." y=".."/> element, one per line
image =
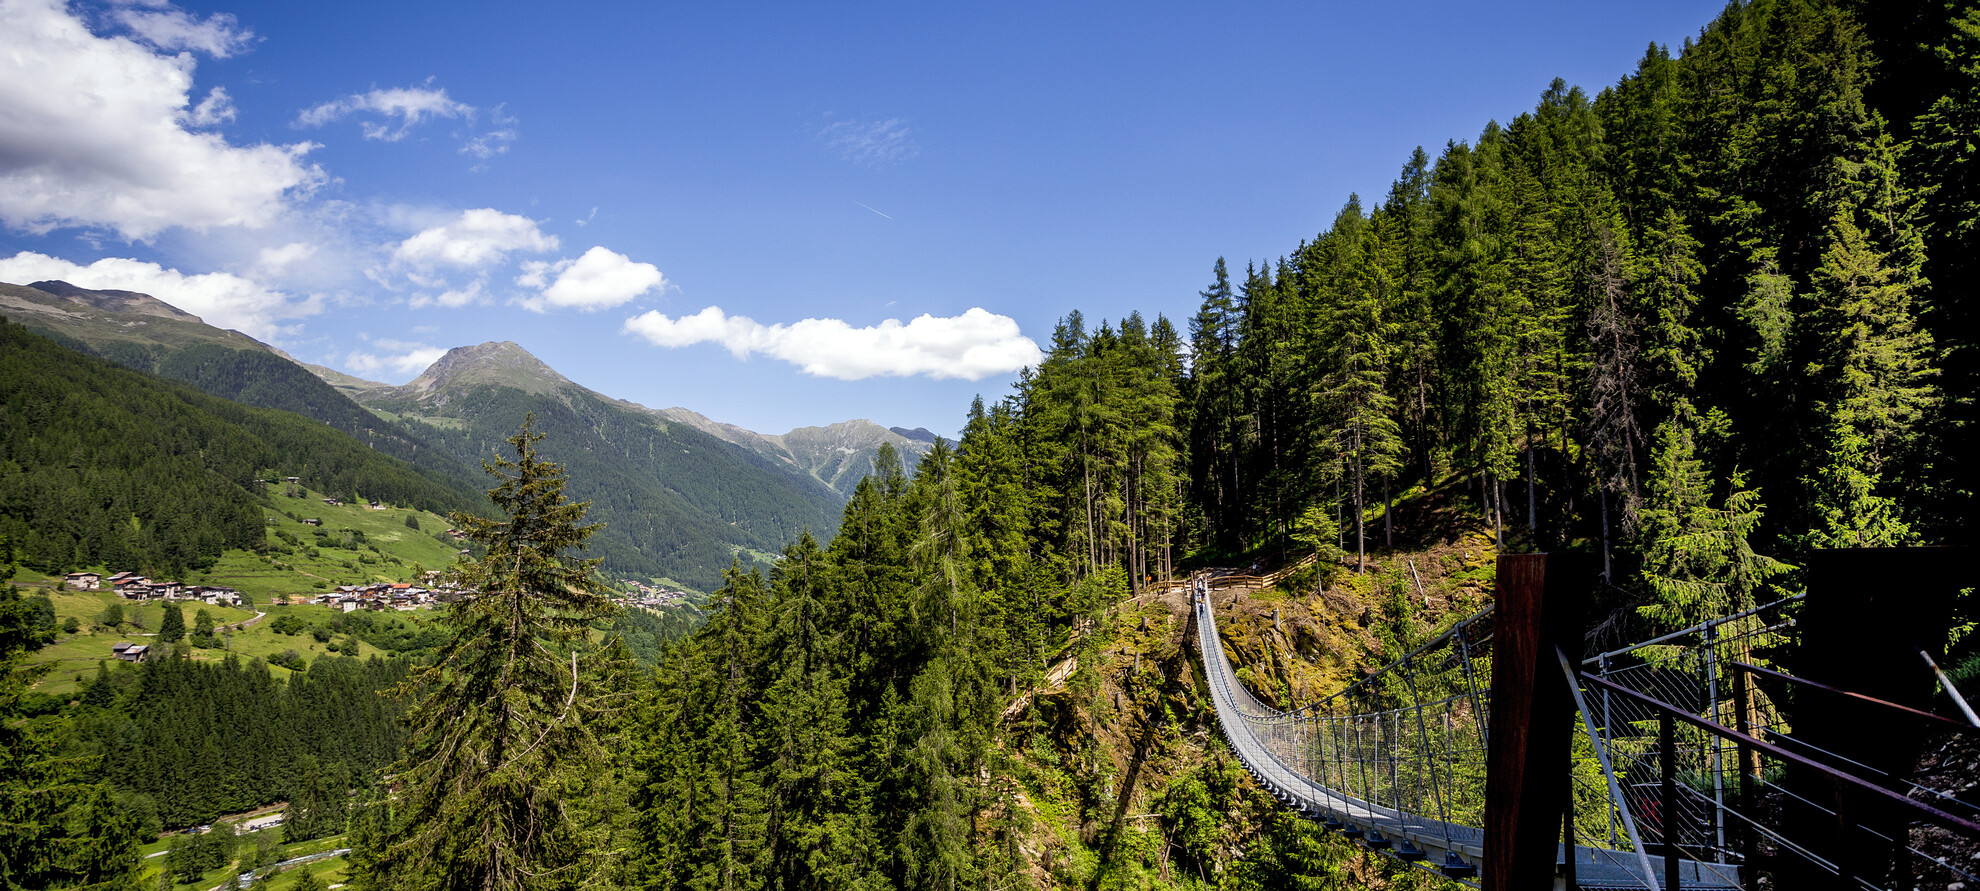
<point x="1527" y="752"/>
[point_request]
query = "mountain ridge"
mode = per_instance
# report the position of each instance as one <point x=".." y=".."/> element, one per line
<point x="683" y="496"/>
<point x="835" y="455"/>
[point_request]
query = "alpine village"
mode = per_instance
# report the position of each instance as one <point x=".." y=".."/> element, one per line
<point x="1590" y="509"/>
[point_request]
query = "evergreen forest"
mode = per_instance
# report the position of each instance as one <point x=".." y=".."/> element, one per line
<point x="101" y="465"/>
<point x="1700" y="323"/>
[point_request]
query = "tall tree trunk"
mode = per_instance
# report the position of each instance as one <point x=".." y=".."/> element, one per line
<point x="1360" y="535"/>
<point x="1532" y="525"/>
<point x="1388" y="515"/>
<point x="1602" y="492"/>
<point x="1498" y="511"/>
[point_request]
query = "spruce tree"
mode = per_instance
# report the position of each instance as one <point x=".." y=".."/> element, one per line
<point x="504" y="729"/>
<point x="172" y="628"/>
<point x="1698" y="558"/>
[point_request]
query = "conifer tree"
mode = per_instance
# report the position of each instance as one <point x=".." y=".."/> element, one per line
<point x="506" y="725"/>
<point x="1698" y="559"/>
<point x="1871" y="375"/>
<point x="172" y="628"/>
<point x="1351" y="393"/>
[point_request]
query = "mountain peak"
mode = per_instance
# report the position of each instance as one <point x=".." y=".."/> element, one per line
<point x="497" y="363"/>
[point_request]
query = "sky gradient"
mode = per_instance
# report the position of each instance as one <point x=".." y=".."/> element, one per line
<point x="722" y="206"/>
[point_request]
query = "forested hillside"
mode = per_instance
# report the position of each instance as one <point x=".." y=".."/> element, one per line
<point x="1699" y="323"/>
<point x="139" y="331"/>
<point x="676" y="502"/>
<point x="103" y="465"/>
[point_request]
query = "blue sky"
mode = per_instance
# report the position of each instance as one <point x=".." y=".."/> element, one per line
<point x="722" y="206"/>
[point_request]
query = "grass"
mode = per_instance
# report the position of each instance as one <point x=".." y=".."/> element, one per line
<point x="330" y="870"/>
<point x="74" y="657"/>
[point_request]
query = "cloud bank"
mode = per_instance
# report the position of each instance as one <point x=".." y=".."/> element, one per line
<point x="94" y="129"/>
<point x="221" y="299"/>
<point x="971" y="346"/>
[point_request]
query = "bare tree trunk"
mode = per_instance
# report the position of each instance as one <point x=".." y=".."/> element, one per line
<point x="1388" y="515"/>
<point x="1532" y="524"/>
<point x="1498" y="512"/>
<point x="1603" y="493"/>
<point x="1360" y="534"/>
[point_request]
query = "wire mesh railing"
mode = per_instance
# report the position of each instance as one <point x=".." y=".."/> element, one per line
<point x="1685" y="773"/>
<point x="1396" y="759"/>
<point x="1712" y="770"/>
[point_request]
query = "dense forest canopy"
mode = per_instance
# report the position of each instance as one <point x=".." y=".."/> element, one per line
<point x="1700" y="323"/>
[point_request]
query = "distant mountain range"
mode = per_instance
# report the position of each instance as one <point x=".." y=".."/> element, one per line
<point x="681" y="495"/>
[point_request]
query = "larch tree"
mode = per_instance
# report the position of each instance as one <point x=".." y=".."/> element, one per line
<point x="506" y="731"/>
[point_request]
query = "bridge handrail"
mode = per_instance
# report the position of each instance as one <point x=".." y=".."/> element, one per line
<point x="1370" y="678"/>
<point x="1948" y="821"/>
<point x="1695" y="629"/>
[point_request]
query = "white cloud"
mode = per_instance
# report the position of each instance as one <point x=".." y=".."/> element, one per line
<point x="93" y="132"/>
<point x="494" y="142"/>
<point x="972" y="346"/>
<point x="870" y="142"/>
<point x="452" y="298"/>
<point x="409" y="106"/>
<point x="222" y="299"/>
<point x="274" y="260"/>
<point x="174" y="30"/>
<point x="600" y="279"/>
<point x="475" y="238"/>
<point x="216" y="109"/>
<point x="402" y="358"/>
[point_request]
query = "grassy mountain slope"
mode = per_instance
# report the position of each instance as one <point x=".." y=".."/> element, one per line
<point x="676" y="501"/>
<point x="101" y="464"/>
<point x="142" y="332"/>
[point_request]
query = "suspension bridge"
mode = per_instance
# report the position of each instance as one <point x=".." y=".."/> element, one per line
<point x="1502" y="755"/>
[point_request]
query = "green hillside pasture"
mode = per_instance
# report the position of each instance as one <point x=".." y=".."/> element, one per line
<point x="329" y="871"/>
<point x="73" y="658"/>
<point x="357" y="545"/>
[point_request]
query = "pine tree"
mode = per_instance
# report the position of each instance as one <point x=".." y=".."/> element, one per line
<point x="1698" y="560"/>
<point x="1871" y="380"/>
<point x="172" y="628"/>
<point x="1356" y="413"/>
<point x="505" y="726"/>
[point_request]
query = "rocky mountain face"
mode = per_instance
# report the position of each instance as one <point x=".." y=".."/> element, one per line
<point x="503" y="364"/>
<point x="838" y="455"/>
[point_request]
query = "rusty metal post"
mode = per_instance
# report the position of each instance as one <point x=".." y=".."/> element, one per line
<point x="1527" y="772"/>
